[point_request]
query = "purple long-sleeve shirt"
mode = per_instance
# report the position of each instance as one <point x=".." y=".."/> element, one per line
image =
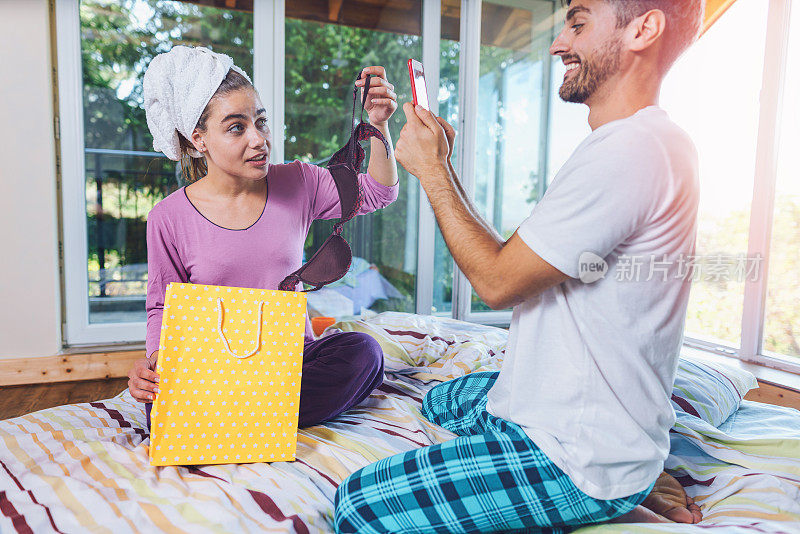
<point x="184" y="246"/>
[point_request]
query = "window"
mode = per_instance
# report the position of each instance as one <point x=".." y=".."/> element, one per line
<point x="782" y="321"/>
<point x="325" y="51"/>
<point x="714" y="96"/>
<point x="569" y="123"/>
<point x="510" y="151"/>
<point x="124" y="178"/>
<point x="490" y="72"/>
<point x="119" y="178"/>
<point x="743" y="298"/>
<point x="513" y="107"/>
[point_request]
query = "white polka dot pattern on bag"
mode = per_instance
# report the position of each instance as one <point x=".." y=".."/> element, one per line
<point x="247" y="339"/>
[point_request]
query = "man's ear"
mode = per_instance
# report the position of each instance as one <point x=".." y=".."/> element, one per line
<point x="647" y="29"/>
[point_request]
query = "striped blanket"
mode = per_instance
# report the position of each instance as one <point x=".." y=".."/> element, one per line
<point x="84" y="467"/>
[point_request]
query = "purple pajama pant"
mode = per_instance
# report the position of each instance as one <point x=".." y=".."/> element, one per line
<point x="339" y="371"/>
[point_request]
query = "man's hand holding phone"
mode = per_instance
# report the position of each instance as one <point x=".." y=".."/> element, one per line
<point x="426" y="141"/>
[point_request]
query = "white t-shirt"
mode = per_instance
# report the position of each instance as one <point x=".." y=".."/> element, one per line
<point x="589" y="367"/>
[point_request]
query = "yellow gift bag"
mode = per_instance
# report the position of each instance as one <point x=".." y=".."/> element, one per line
<point x="230" y="362"/>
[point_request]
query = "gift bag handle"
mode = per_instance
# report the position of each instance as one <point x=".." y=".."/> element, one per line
<point x="225" y="341"/>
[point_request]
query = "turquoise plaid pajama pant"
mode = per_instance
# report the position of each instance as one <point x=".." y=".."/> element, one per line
<point x="493" y="478"/>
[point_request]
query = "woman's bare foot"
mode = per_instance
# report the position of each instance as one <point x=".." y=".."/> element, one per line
<point x="668" y="499"/>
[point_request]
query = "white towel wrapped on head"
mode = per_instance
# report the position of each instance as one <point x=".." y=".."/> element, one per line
<point x="177" y="87"/>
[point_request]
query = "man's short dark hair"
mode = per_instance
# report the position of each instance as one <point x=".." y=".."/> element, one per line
<point x="684" y="18"/>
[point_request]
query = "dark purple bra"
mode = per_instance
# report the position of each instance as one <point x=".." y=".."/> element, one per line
<point x="332" y="260"/>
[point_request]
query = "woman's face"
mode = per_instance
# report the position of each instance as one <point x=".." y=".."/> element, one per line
<point x="236" y="132"/>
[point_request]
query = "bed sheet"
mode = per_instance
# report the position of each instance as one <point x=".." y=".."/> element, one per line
<point x="84" y="467"/>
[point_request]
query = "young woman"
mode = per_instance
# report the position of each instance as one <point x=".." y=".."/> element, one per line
<point x="242" y="221"/>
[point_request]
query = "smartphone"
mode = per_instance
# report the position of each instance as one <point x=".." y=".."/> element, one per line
<point x="419" y="90"/>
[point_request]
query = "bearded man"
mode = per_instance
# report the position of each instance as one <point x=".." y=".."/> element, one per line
<point x="574" y="429"/>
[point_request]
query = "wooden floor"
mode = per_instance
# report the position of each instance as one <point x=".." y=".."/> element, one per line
<point x="19" y="400"/>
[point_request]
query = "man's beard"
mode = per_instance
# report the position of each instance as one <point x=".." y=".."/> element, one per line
<point x="591" y="74"/>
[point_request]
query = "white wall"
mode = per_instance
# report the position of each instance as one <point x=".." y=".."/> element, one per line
<point x="30" y="314"/>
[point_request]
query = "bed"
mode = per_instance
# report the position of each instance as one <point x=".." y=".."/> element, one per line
<point x="84" y="467"/>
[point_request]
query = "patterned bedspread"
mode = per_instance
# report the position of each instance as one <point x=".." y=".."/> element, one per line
<point x="84" y="467"/>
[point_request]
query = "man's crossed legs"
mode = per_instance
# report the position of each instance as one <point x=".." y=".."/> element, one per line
<point x="492" y="478"/>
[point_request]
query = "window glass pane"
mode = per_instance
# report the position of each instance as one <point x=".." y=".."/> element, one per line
<point x="326" y="47"/>
<point x="511" y="164"/>
<point x="124" y="177"/>
<point x="569" y="122"/>
<point x="782" y="322"/>
<point x="450" y="54"/>
<point x="713" y="93"/>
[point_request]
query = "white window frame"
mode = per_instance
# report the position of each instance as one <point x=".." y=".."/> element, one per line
<point x="426" y="227"/>
<point x="763" y="202"/>
<point x="268" y="66"/>
<point x="764" y="189"/>
<point x="269" y="69"/>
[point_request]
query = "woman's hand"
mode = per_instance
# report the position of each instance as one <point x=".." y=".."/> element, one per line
<point x="143" y="380"/>
<point x="381" y="101"/>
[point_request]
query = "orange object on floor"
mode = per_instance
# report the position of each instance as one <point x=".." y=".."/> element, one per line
<point x="319" y="324"/>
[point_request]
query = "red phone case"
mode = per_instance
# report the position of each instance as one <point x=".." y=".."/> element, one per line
<point x="413" y="87"/>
